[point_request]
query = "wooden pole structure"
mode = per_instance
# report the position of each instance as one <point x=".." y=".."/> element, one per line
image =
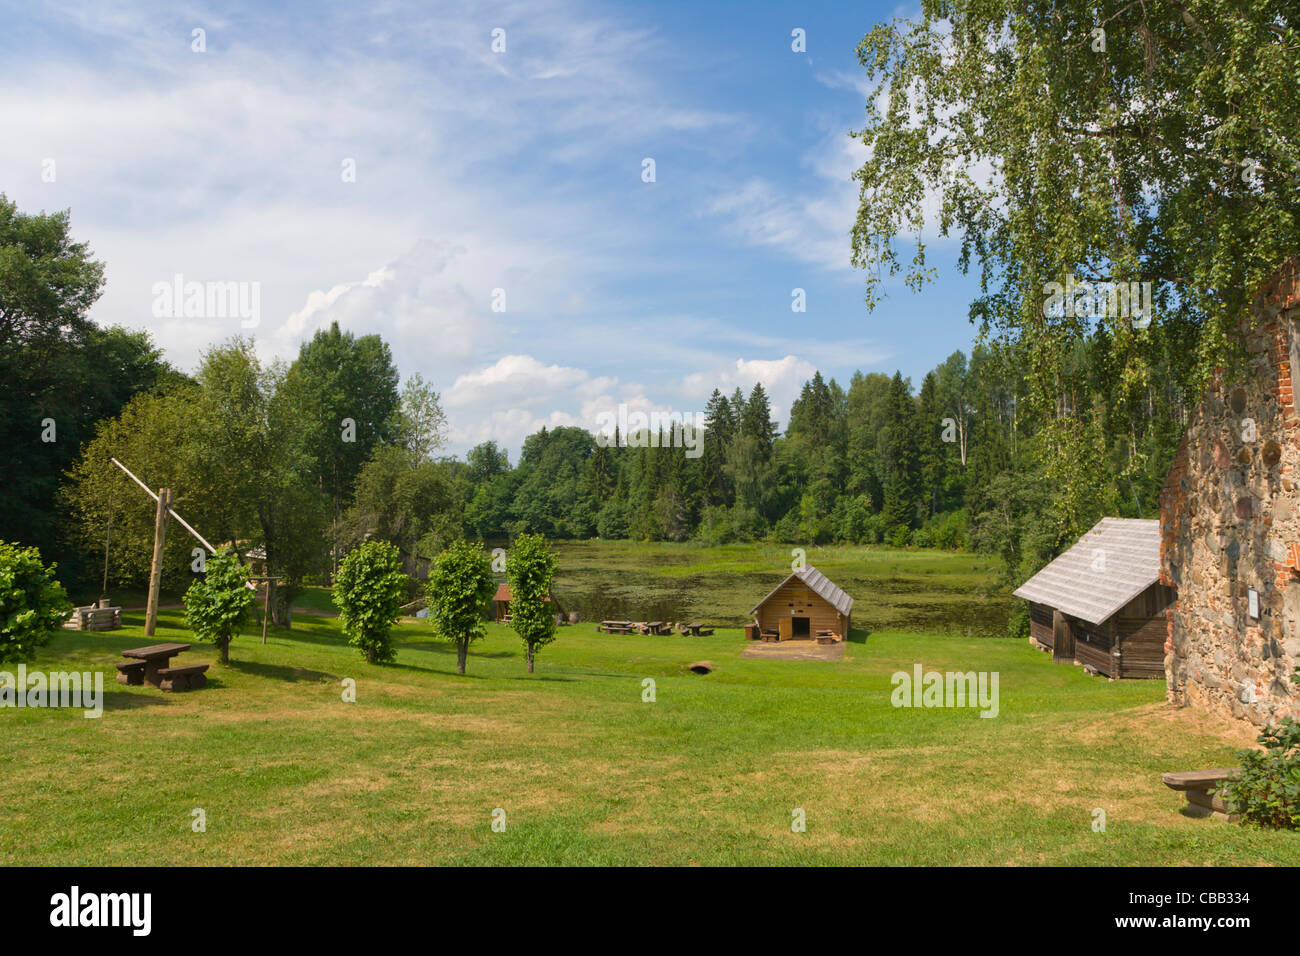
<point x="266" y="610"/>
<point x="183" y="523"/>
<point x="155" y="570"/>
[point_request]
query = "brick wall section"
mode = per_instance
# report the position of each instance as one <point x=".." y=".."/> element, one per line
<point x="1229" y="510"/>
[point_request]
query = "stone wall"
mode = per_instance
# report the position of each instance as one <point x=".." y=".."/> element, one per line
<point x="1229" y="511"/>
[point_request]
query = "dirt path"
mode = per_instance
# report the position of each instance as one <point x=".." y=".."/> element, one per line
<point x="796" y="650"/>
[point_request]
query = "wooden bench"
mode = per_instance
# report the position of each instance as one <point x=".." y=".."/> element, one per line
<point x="189" y="677"/>
<point x="130" y="672"/>
<point x="1199" y="787"/>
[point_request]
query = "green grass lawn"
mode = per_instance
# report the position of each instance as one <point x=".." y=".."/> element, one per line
<point x="586" y="772"/>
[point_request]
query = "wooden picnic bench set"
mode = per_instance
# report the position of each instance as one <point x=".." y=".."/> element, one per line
<point x="150" y="665"/>
<point x="771" y="635"/>
<point x="657" y="628"/>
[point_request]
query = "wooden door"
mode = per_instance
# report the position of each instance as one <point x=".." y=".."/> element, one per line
<point x="1062" y="638"/>
<point x="785" y="628"/>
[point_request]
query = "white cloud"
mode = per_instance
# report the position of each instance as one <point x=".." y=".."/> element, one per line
<point x="474" y="172"/>
<point x="810" y="226"/>
<point x="782" y="379"/>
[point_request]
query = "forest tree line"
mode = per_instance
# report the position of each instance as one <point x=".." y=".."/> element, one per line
<point x="300" y="461"/>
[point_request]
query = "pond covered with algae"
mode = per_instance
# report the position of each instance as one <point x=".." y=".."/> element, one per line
<point x="893" y="589"/>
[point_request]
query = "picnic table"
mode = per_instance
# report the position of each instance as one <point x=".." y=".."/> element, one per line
<point x="695" y="630"/>
<point x="151" y="665"/>
<point x="615" y="627"/>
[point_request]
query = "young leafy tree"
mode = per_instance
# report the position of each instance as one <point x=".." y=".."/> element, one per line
<point x="152" y="436"/>
<point x="368" y="591"/>
<point x="460" y="585"/>
<point x="251" y="450"/>
<point x="530" y="568"/>
<point x="422" y="424"/>
<point x="32" y="603"/>
<point x="217" y="603"/>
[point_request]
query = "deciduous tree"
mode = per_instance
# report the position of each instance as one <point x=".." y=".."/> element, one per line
<point x="530" y="568"/>
<point x="459" y="587"/>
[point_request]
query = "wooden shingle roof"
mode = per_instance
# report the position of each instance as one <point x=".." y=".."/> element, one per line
<point x="1105" y="569"/>
<point x="819" y="583"/>
<point x="503" y="594"/>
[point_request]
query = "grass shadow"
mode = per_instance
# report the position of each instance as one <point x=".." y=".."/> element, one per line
<point x="281" y="672"/>
<point x="125" y="700"/>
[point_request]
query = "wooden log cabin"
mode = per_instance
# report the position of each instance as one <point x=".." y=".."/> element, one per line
<point x="802" y="605"/>
<point x="501" y="604"/>
<point x="1101" y="603"/>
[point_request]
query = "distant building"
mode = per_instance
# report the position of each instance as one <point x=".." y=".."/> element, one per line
<point x="501" y="604"/>
<point x="1101" y="603"/>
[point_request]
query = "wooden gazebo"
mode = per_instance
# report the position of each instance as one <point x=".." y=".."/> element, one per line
<point x="501" y="604"/>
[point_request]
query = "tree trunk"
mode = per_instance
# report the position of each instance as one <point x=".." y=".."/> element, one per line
<point x="281" y="609"/>
<point x="225" y="649"/>
<point x="462" y="652"/>
<point x="530" y="658"/>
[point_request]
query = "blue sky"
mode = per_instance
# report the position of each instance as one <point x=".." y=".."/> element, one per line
<point x="477" y="171"/>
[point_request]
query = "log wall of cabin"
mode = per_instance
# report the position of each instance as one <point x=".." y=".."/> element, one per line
<point x="796" y="600"/>
<point x="1141" y="628"/>
<point x="1093" y="644"/>
<point x="1040" y="624"/>
<point x="1131" y="642"/>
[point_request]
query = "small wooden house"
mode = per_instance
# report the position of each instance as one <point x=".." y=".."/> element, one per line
<point x="501" y="604"/>
<point x="1101" y="603"/>
<point x="805" y="603"/>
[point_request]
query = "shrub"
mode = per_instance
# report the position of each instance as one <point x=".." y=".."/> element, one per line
<point x="900" y="535"/>
<point x="218" y="602"/>
<point x="33" y="605"/>
<point x="714" y="527"/>
<point x="1267" y="791"/>
<point x="611" y="520"/>
<point x="746" y="524"/>
<point x="1018" y="620"/>
<point x="368" y="591"/>
<point x="788" y="530"/>
<point x="855" y="518"/>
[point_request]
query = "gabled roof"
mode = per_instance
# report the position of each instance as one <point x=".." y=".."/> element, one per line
<point x="1105" y="569"/>
<point x="818" y="583"/>
<point x="503" y="594"/>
